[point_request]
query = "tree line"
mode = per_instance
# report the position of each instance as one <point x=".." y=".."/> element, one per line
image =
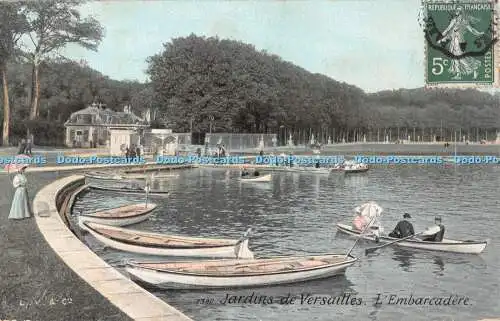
<point x="203" y="84"/>
<point x="196" y="79"/>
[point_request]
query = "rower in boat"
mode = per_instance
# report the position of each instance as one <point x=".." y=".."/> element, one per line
<point x="256" y="173"/>
<point x="317" y="164"/>
<point x="404" y="228"/>
<point x="436" y="237"/>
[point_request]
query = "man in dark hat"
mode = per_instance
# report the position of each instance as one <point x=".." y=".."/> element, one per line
<point x="404" y="228"/>
<point x="436" y="237"/>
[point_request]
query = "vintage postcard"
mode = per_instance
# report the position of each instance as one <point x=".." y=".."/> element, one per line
<point x="249" y="160"/>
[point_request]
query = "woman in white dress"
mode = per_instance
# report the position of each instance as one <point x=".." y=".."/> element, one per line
<point x="20" y="208"/>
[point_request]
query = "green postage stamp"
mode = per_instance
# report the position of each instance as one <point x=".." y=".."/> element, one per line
<point x="461" y="41"/>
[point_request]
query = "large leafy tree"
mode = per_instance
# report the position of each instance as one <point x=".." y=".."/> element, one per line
<point x="197" y="79"/>
<point x="12" y="25"/>
<point x="54" y="25"/>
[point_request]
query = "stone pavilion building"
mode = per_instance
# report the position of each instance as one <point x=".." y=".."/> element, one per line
<point x="92" y="126"/>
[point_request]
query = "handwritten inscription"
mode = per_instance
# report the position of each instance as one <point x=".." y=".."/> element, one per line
<point x="45" y="301"/>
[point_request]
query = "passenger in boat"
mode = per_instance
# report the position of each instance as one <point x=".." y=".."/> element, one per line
<point x="437" y="237"/>
<point x="317" y="164"/>
<point x="360" y="222"/>
<point x="404" y="228"/>
<point x="244" y="173"/>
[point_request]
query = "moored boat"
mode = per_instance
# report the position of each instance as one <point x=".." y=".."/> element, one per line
<point x="260" y="178"/>
<point x="238" y="273"/>
<point x="128" y="190"/>
<point x="150" y="176"/>
<point x="338" y="168"/>
<point x="119" y="216"/>
<point x="355" y="168"/>
<point x="143" y="242"/>
<point x="447" y="245"/>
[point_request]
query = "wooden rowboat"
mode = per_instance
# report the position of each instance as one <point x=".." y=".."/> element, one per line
<point x="150" y="176"/>
<point x="128" y="190"/>
<point x="238" y="273"/>
<point x="142" y="242"/>
<point x="262" y="178"/>
<point x="454" y="246"/>
<point x="119" y="216"/>
<point x="355" y="168"/>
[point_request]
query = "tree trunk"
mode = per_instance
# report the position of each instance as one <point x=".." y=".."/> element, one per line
<point x="35" y="95"/>
<point x="6" y="106"/>
<point x="35" y="92"/>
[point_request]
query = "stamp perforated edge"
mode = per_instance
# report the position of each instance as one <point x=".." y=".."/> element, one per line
<point x="496" y="54"/>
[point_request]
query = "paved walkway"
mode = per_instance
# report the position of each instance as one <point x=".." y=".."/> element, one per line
<point x="138" y="303"/>
<point x="34" y="283"/>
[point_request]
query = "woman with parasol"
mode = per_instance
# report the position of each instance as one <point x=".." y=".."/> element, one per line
<point x="20" y="207"/>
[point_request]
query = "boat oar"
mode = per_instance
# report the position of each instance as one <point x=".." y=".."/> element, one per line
<point x="373" y="249"/>
<point x="430" y="231"/>
<point x="359" y="236"/>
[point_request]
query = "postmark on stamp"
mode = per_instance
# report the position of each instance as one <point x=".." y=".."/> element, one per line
<point x="461" y="39"/>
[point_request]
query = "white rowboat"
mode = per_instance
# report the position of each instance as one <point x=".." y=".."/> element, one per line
<point x="150" y="176"/>
<point x="262" y="178"/>
<point x="127" y="190"/>
<point x="120" y="216"/>
<point x="142" y="242"/>
<point x="238" y="273"/>
<point x="465" y="247"/>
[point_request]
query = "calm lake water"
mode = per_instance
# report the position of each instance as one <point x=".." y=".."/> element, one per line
<point x="297" y="213"/>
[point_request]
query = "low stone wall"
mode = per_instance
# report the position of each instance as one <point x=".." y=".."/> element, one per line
<point x="133" y="300"/>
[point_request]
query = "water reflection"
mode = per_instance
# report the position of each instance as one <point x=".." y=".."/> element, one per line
<point x="405" y="259"/>
<point x="439" y="266"/>
<point x="410" y="258"/>
<point x="355" y="180"/>
<point x="317" y="186"/>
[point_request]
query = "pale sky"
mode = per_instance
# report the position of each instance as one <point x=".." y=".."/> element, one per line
<point x="373" y="44"/>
